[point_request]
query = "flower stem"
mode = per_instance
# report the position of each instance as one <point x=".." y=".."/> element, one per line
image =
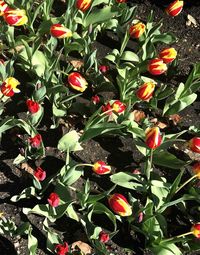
<point x="185" y="183"/>
<point x="176" y="237"/>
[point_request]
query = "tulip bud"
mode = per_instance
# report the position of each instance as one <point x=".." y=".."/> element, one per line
<point x="62" y="249"/>
<point x="168" y="55"/>
<point x="104" y="69"/>
<point x="95" y="99"/>
<point x="33" y="106"/>
<point x="196" y="169"/>
<point x="59" y="31"/>
<point x="40" y="174"/>
<point x="196" y="230"/>
<point x="137" y="30"/>
<point x="9" y="87"/>
<point x="153" y="137"/>
<point x="100" y="167"/>
<point x="103" y="237"/>
<point x="15" y="17"/>
<point x="156" y="66"/>
<point x="77" y="82"/>
<point x="54" y="199"/>
<point x="194" y="144"/>
<point x="174" y="8"/>
<point x="118" y="107"/>
<point x="120" y="205"/>
<point x="35" y="141"/>
<point x="121" y="1"/>
<point x="83" y="5"/>
<point x="3" y="7"/>
<point x="145" y="92"/>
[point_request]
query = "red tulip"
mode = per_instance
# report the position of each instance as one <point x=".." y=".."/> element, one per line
<point x="194" y="144"/>
<point x="62" y="249"/>
<point x="107" y="108"/>
<point x="145" y="92"/>
<point x="119" y="204"/>
<point x="174" y="8"/>
<point x="83" y="5"/>
<point x="137" y="30"/>
<point x="40" y="174"/>
<point x="168" y="55"/>
<point x="153" y="137"/>
<point x="104" y="69"/>
<point x="33" y="106"/>
<point x="54" y="199"/>
<point x="104" y="237"/>
<point x="35" y="141"/>
<point x="95" y="99"/>
<point x="121" y="1"/>
<point x="77" y="82"/>
<point x="100" y="167"/>
<point x="196" y="230"/>
<point x="15" y="17"/>
<point x="196" y="169"/>
<point x="59" y="31"/>
<point x="3" y="7"/>
<point x="118" y="107"/>
<point x="9" y="87"/>
<point x="156" y="66"/>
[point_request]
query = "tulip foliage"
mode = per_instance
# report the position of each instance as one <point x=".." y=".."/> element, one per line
<point x="50" y="64"/>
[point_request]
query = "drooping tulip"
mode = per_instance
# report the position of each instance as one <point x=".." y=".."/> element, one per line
<point x="60" y="32"/>
<point x="168" y="55"/>
<point x="174" y="8"/>
<point x="77" y="81"/>
<point x="119" y="204"/>
<point x="156" y="66"/>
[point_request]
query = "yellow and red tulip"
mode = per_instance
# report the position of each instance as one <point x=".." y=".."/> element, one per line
<point x="174" y="8"/>
<point x="119" y="204"/>
<point x="153" y="137"/>
<point x="107" y="108"/>
<point x="15" y="17"/>
<point x="9" y="87"/>
<point x="196" y="169"/>
<point x="100" y="167"/>
<point x="145" y="92"/>
<point x="137" y="30"/>
<point x="83" y="5"/>
<point x="118" y="107"/>
<point x="77" y="81"/>
<point x="168" y="55"/>
<point x="95" y="99"/>
<point x="59" y="31"/>
<point x="196" y="230"/>
<point x="194" y="144"/>
<point x="156" y="66"/>
<point x="3" y="7"/>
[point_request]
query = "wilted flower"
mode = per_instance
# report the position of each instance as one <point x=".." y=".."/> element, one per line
<point x="153" y="137"/>
<point x="194" y="144"/>
<point x="196" y="230"/>
<point x="137" y="30"/>
<point x="104" y="68"/>
<point x="83" y="5"/>
<point x="77" y="81"/>
<point x="168" y="55"/>
<point x="3" y="7"/>
<point x="95" y="99"/>
<point x="107" y="108"/>
<point x="104" y="237"/>
<point x="140" y="217"/>
<point x="100" y="167"/>
<point x="15" y="17"/>
<point x="40" y="174"/>
<point x="118" y="107"/>
<point x="156" y="66"/>
<point x="145" y="92"/>
<point x="33" y="106"/>
<point x="119" y="204"/>
<point x="196" y="169"/>
<point x="174" y="8"/>
<point x="62" y="249"/>
<point x="35" y="141"/>
<point x="9" y="87"/>
<point x="59" y="31"/>
<point x="54" y="199"/>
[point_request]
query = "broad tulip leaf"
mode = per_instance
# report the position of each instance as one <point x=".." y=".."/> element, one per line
<point x="166" y="159"/>
<point x="166" y="249"/>
<point x="70" y="142"/>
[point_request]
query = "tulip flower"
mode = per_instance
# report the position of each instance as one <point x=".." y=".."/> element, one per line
<point x="100" y="167"/>
<point x="15" y="17"/>
<point x="121" y="1"/>
<point x="35" y="141"/>
<point x="168" y="55"/>
<point x="33" y="106"/>
<point x="40" y="174"/>
<point x="119" y="204"/>
<point x="194" y="144"/>
<point x="104" y="237"/>
<point x="9" y="87"/>
<point x="156" y="66"/>
<point x="196" y="169"/>
<point x="104" y="69"/>
<point x="62" y="249"/>
<point x="153" y="137"/>
<point x="137" y="30"/>
<point x="196" y="230"/>
<point x="83" y="5"/>
<point x="95" y="99"/>
<point x="118" y="107"/>
<point x="174" y="8"/>
<point x="107" y="109"/>
<point x="53" y="199"/>
<point x="59" y="31"/>
<point x="77" y="82"/>
<point x="145" y="92"/>
<point x="3" y="7"/>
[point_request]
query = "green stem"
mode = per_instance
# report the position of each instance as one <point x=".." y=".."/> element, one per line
<point x="176" y="237"/>
<point x="149" y="167"/>
<point x="185" y="183"/>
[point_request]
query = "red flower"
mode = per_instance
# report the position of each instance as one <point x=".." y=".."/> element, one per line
<point x="9" y="87"/>
<point x="95" y="99"/>
<point x="77" y="82"/>
<point x="153" y="137"/>
<point x="196" y="230"/>
<point x="137" y="30"/>
<point x="62" y="249"/>
<point x="104" y="237"/>
<point x="196" y="169"/>
<point x="54" y="199"/>
<point x="194" y="144"/>
<point x="35" y="141"/>
<point x="118" y="107"/>
<point x="59" y="31"/>
<point x="120" y="205"/>
<point x="40" y="174"/>
<point x="3" y="7"/>
<point x="104" y="69"/>
<point x="121" y="1"/>
<point x="33" y="106"/>
<point x="100" y="167"/>
<point x="15" y="17"/>
<point x="168" y="55"/>
<point x="156" y="66"/>
<point x="83" y="5"/>
<point x="174" y="8"/>
<point x="145" y="92"/>
<point x="107" y="108"/>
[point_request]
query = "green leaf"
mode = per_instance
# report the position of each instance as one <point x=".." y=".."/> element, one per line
<point x="26" y="193"/>
<point x="165" y="38"/>
<point x="166" y="249"/>
<point x="39" y="94"/>
<point x="130" y="56"/>
<point x="70" y="175"/>
<point x="32" y="243"/>
<point x="70" y="142"/>
<point x="166" y="159"/>
<point x="175" y="185"/>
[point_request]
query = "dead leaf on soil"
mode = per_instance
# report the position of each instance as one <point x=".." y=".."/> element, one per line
<point x="25" y="166"/>
<point x="160" y="124"/>
<point x="138" y="115"/>
<point x="191" y="21"/>
<point x="77" y="63"/>
<point x="175" y="118"/>
<point x="84" y="247"/>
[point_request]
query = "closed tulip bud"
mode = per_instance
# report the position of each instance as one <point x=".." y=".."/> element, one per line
<point x="95" y="99"/>
<point x="153" y="137"/>
<point x="100" y="167"/>
<point x="194" y="144"/>
<point x="104" y="69"/>
<point x="196" y="230"/>
<point x="137" y="30"/>
<point x="168" y="55"/>
<point x="3" y="7"/>
<point x="35" y="141"/>
<point x="121" y="1"/>
<point x="118" y="107"/>
<point x="77" y="82"/>
<point x="62" y="249"/>
<point x="9" y="87"/>
<point x="33" y="107"/>
<point x="83" y="5"/>
<point x="15" y="17"/>
<point x="53" y="199"/>
<point x="40" y="174"/>
<point x="196" y="169"/>
<point x="104" y="237"/>
<point x="59" y="31"/>
<point x="174" y="8"/>
<point x="156" y="66"/>
<point x="119" y="204"/>
<point x="145" y="92"/>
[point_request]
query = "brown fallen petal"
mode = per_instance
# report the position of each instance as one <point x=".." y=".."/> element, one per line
<point x="138" y="115"/>
<point x="84" y="247"/>
<point x="77" y="63"/>
<point x="25" y="166"/>
<point x="161" y="125"/>
<point x="176" y="118"/>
